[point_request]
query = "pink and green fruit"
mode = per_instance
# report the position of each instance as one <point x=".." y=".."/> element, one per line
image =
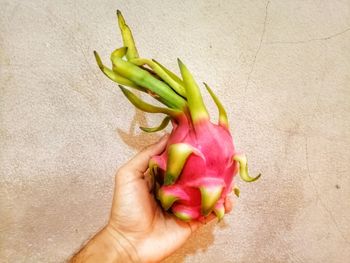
<point x="195" y="172"/>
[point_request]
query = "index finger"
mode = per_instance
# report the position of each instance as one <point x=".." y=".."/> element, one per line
<point x="140" y="162"/>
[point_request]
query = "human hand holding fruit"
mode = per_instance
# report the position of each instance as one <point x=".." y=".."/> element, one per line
<point x="139" y="230"/>
<point x="191" y="171"/>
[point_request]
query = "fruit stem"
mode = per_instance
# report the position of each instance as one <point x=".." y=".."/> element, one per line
<point x="178" y="88"/>
<point x="144" y="79"/>
<point x="170" y="73"/>
<point x="115" y="76"/>
<point x="144" y="106"/>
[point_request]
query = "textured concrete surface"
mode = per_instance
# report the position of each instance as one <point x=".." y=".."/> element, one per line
<point x="281" y="69"/>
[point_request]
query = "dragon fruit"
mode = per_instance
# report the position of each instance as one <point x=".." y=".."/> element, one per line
<point x="195" y="172"/>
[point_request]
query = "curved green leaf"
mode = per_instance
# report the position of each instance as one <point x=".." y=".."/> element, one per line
<point x="162" y="126"/>
<point x="144" y="106"/>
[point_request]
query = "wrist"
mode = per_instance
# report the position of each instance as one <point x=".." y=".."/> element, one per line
<point x="107" y="245"/>
<point x="122" y="244"/>
<point x="140" y="248"/>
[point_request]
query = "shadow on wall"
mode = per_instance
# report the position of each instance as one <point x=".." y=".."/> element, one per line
<point x="200" y="241"/>
<point x="138" y="141"/>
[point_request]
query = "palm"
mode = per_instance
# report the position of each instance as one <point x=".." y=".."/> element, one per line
<point x="136" y="213"/>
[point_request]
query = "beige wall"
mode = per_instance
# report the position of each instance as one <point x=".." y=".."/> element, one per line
<point x="281" y="68"/>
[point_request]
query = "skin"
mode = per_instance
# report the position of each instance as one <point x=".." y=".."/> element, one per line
<point x="138" y="229"/>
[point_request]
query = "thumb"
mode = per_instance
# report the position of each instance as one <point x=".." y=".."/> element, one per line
<point x="140" y="162"/>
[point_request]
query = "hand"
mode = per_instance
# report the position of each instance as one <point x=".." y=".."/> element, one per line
<point x="137" y="223"/>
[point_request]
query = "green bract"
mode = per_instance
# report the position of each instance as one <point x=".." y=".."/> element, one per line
<point x="195" y="173"/>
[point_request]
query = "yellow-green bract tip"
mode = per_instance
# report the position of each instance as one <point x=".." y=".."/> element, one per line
<point x="128" y="39"/>
<point x="195" y="102"/>
<point x="243" y="168"/>
<point x="98" y="60"/>
<point x="121" y="19"/>
<point x="223" y="121"/>
<point x="236" y="191"/>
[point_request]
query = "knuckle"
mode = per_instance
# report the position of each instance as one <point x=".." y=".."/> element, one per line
<point x="122" y="171"/>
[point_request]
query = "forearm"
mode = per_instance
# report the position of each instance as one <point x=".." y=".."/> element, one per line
<point x="106" y="246"/>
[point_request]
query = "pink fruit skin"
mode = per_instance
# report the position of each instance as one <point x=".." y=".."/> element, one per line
<point x="214" y="168"/>
<point x="195" y="173"/>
